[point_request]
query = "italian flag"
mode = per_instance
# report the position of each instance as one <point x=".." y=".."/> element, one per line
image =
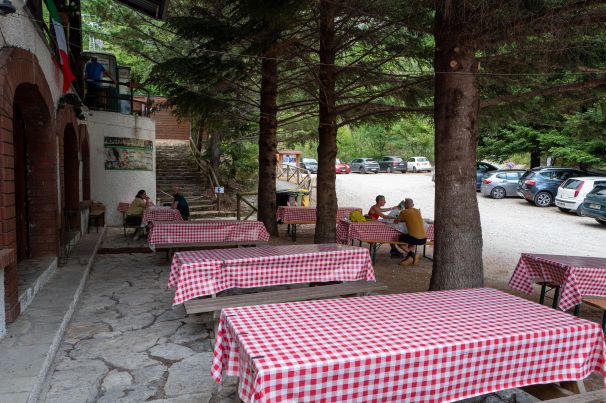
<point x="68" y="76"/>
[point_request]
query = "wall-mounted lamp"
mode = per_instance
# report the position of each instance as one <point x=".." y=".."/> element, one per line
<point x="6" y="7"/>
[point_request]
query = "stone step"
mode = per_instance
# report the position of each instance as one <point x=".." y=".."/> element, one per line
<point x="211" y="213"/>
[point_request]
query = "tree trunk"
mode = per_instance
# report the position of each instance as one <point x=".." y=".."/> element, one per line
<point x="268" y="123"/>
<point x="214" y="145"/>
<point x="535" y="158"/>
<point x="458" y="251"/>
<point x="327" y="129"/>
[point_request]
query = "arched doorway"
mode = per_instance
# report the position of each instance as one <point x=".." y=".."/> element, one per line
<point x="71" y="179"/>
<point x="84" y="150"/>
<point x="35" y="167"/>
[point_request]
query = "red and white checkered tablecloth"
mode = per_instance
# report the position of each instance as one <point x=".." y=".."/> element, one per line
<point x="425" y="347"/>
<point x="348" y="231"/>
<point x="308" y="214"/>
<point x="197" y="273"/>
<point x="577" y="276"/>
<point x="185" y="232"/>
<point x="160" y="214"/>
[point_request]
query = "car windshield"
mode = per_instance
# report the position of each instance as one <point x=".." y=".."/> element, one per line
<point x="310" y="161"/>
<point x="338" y="161"/>
<point x="422" y="159"/>
<point x="370" y="160"/>
<point x="572" y="184"/>
<point x="527" y="175"/>
<point x="599" y="190"/>
<point x="398" y="159"/>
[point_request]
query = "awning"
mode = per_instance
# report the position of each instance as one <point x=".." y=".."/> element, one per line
<point x="153" y="8"/>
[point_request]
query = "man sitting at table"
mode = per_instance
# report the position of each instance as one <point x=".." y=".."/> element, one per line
<point x="416" y="232"/>
<point x="378" y="211"/>
<point x="180" y="203"/>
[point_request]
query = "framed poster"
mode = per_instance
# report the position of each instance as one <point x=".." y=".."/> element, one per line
<point x="122" y="153"/>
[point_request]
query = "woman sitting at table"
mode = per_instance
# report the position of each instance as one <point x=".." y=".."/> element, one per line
<point x="134" y="214"/>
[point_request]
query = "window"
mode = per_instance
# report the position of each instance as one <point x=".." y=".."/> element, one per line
<point x="502" y="176"/>
<point x="422" y="159"/>
<point x="548" y="174"/>
<point x="411" y="160"/>
<point x="513" y="176"/>
<point x="571" y="184"/>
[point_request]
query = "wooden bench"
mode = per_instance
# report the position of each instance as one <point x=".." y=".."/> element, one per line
<point x="171" y="248"/>
<point x="597" y="396"/>
<point x="96" y="213"/>
<point x="600" y="304"/>
<point x="373" y="245"/>
<point x="215" y="305"/>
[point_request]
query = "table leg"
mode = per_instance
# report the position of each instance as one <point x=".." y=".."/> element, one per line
<point x="543" y="290"/>
<point x="287" y="229"/>
<point x="556" y="297"/>
<point x="294" y="232"/>
<point x="373" y="252"/>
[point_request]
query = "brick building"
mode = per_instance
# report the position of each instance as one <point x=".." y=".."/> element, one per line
<point x="168" y="126"/>
<point x="50" y="164"/>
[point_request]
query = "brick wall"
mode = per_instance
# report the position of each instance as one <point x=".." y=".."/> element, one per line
<point x="23" y="85"/>
<point x="168" y="126"/>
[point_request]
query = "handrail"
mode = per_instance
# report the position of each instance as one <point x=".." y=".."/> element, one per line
<point x="203" y="165"/>
<point x="240" y="197"/>
<point x="299" y="176"/>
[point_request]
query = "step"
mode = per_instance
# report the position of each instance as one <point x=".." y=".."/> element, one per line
<point x="212" y="213"/>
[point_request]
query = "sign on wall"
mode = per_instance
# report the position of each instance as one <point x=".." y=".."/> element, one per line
<point x="123" y="153"/>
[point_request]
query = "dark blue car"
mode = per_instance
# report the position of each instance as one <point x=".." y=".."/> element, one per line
<point x="539" y="186"/>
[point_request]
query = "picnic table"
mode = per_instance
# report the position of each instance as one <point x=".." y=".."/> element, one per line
<point x="375" y="233"/>
<point x="576" y="276"/>
<point x="172" y="235"/>
<point x="160" y="214"/>
<point x="431" y="347"/>
<point x="294" y="216"/>
<point x="198" y="273"/>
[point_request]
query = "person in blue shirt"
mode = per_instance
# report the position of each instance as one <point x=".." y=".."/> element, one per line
<point x="180" y="203"/>
<point x="93" y="75"/>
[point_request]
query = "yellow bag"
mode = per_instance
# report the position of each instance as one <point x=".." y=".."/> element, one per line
<point x="356" y="216"/>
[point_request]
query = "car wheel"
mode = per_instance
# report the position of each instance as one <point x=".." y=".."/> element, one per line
<point x="362" y="170"/>
<point x="603" y="222"/>
<point x="564" y="210"/>
<point x="543" y="199"/>
<point x="579" y="212"/>
<point x="414" y="170"/>
<point x="497" y="193"/>
<point x="388" y="170"/>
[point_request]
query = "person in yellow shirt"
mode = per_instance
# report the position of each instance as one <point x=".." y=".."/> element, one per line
<point x="416" y="231"/>
<point x="134" y="214"/>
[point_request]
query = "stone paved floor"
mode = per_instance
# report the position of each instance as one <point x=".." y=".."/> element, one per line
<point x="125" y="342"/>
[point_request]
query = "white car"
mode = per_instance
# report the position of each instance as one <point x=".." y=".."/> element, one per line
<point x="418" y="164"/>
<point x="572" y="192"/>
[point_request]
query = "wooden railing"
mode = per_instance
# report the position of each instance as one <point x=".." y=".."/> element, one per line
<point x="299" y="176"/>
<point x="241" y="198"/>
<point x="207" y="169"/>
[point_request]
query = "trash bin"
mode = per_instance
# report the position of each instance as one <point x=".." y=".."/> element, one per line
<point x="305" y="197"/>
<point x="294" y="199"/>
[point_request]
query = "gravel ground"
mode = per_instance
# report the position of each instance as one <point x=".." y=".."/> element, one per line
<point x="509" y="226"/>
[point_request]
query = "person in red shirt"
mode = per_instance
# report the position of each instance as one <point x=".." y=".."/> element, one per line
<point x="378" y="211"/>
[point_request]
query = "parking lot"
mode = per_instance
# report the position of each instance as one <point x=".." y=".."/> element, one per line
<point x="509" y="226"/>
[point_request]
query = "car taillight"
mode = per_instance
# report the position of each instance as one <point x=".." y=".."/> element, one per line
<point x="578" y="189"/>
<point x="487" y="181"/>
<point x="530" y="182"/>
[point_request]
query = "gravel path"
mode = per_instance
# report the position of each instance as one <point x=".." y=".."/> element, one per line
<point x="509" y="226"/>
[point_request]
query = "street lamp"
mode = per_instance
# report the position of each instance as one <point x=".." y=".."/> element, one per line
<point x="6" y="7"/>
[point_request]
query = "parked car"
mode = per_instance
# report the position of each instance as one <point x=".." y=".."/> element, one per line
<point x="391" y="164"/>
<point x="310" y="164"/>
<point x="418" y="164"/>
<point x="594" y="205"/>
<point x="364" y="165"/>
<point x="501" y="183"/>
<point x="572" y="192"/>
<point x="540" y="185"/>
<point x="341" y="168"/>
<point x="481" y="169"/>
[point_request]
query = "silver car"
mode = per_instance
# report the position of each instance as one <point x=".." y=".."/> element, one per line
<point x="364" y="165"/>
<point x="501" y="183"/>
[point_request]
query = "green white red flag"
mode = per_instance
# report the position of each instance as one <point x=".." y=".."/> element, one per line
<point x="68" y="75"/>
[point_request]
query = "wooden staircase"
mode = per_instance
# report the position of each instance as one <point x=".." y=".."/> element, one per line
<point x="176" y="167"/>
